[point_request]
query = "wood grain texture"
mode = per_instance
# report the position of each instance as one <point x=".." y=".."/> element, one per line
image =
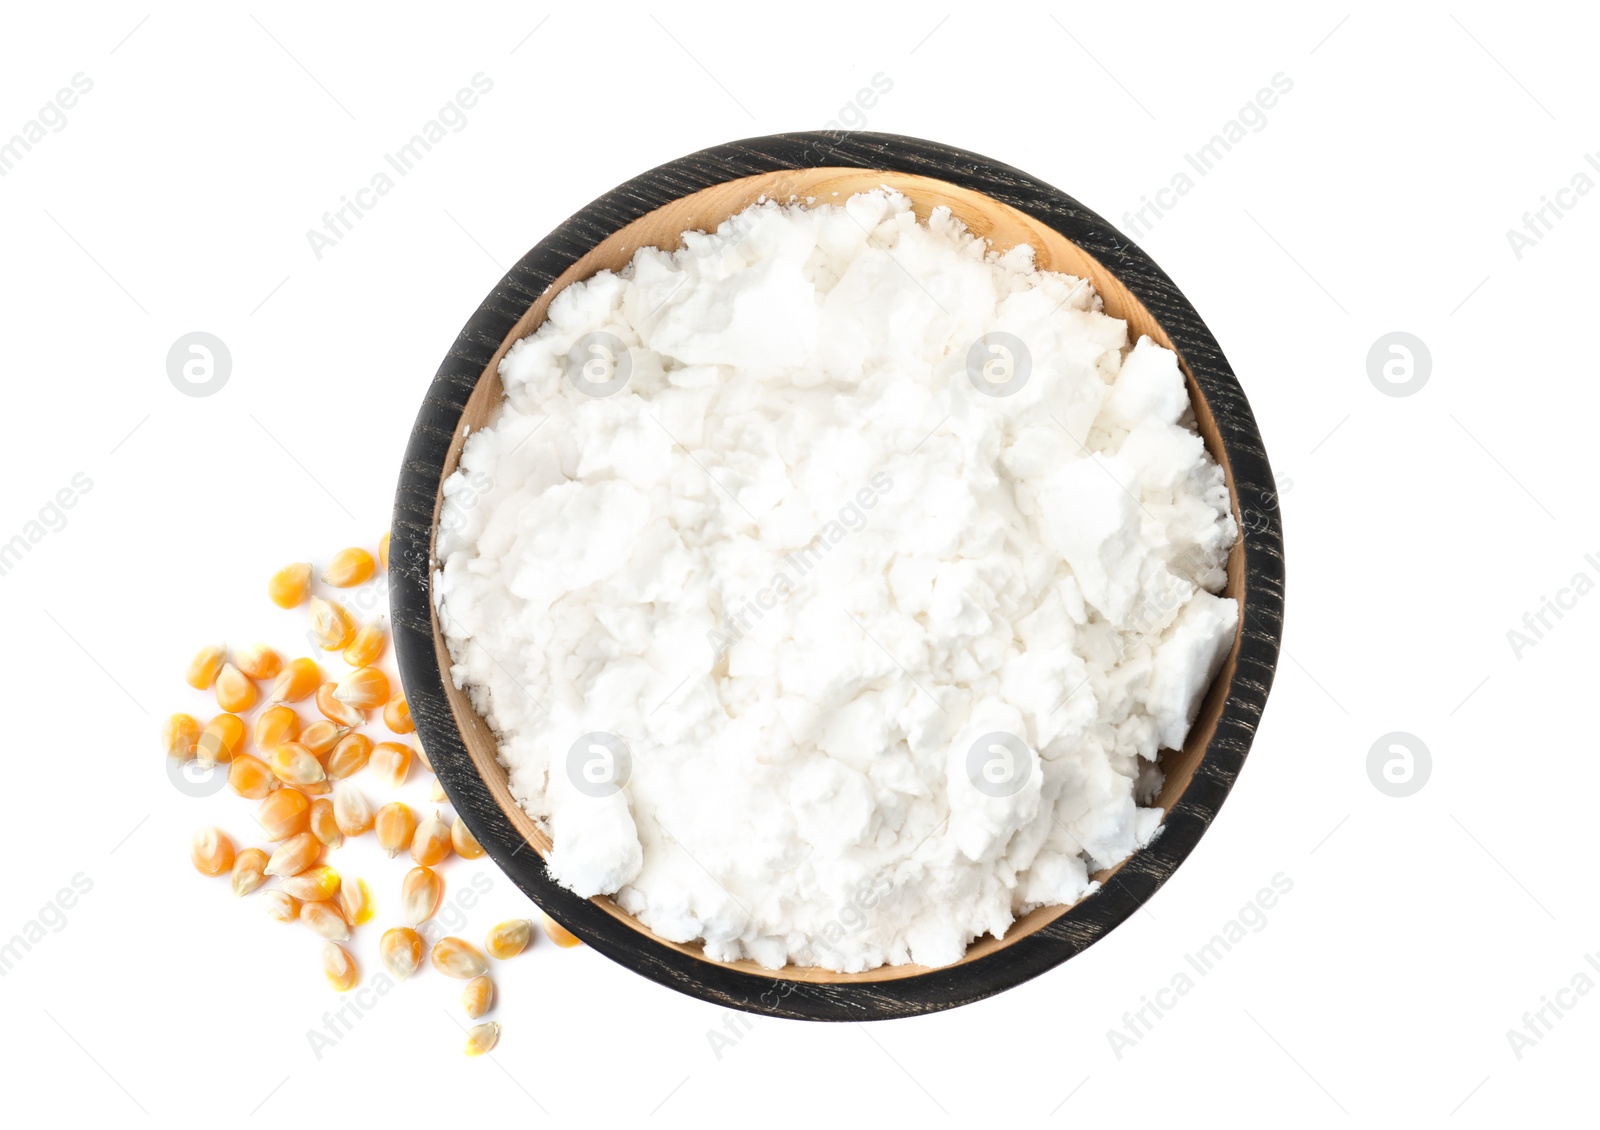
<point x="1008" y="207"/>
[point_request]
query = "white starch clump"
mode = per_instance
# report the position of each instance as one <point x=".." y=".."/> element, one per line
<point x="832" y="582"/>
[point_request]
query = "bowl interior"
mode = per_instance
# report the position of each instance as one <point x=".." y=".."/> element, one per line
<point x="1004" y="227"/>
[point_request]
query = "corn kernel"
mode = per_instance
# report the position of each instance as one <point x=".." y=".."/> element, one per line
<point x="326" y="920"/>
<point x="204" y="666"/>
<point x="317" y="788"/>
<point x="211" y="852"/>
<point x="456" y="958"/>
<point x="509" y="938"/>
<point x="482" y="1039"/>
<point x="391" y="762"/>
<point x="336" y="711"/>
<point x="478" y="997"/>
<point x="294" y="855"/>
<point x="401" y="949"/>
<point x="420" y="893"/>
<point x="338" y="967"/>
<point x="467" y="847"/>
<point x="294" y="764"/>
<point x="422" y="759"/>
<point x="222" y="738"/>
<point x="367" y="645"/>
<point x="259" y="661"/>
<point x="559" y="934"/>
<point x="281" y="906"/>
<point x="365" y="688"/>
<point x="349" y="757"/>
<point x="249" y="870"/>
<point x="284" y="813"/>
<point x="276" y="725"/>
<point x="324" y="825"/>
<point x="290" y="585"/>
<point x="331" y="625"/>
<point x="298" y="680"/>
<point x="349" y="567"/>
<point x="436" y="792"/>
<point x="383" y="551"/>
<point x="351" y="811"/>
<point x="355" y="899"/>
<point x="321" y="736"/>
<point x="430" y="844"/>
<point x="179" y="735"/>
<point x="318" y="884"/>
<point x="235" y="692"/>
<point x="250" y="777"/>
<point x="395" y="824"/>
<point x="397" y="715"/>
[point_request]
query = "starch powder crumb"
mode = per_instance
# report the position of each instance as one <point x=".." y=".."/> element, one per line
<point x="832" y="582"/>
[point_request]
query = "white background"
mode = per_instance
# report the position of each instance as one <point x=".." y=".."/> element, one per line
<point x="1419" y="529"/>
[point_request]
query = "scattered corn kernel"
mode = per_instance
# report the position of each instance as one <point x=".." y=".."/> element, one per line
<point x="326" y="920"/>
<point x="179" y="735"/>
<point x="315" y="885"/>
<point x="391" y="761"/>
<point x="559" y="934"/>
<point x="383" y="551"/>
<point x="467" y="847"/>
<point x="436" y="792"/>
<point x="430" y="844"/>
<point x="478" y="997"/>
<point x="322" y="735"/>
<point x="355" y="899"/>
<point x="509" y="938"/>
<point x="456" y="958"/>
<point x="317" y="788"/>
<point x="420" y="893"/>
<point x="324" y="825"/>
<point x="290" y="585"/>
<point x="205" y="665"/>
<point x="351" y="811"/>
<point x="397" y="715"/>
<point x="367" y="645"/>
<point x="298" y="680"/>
<point x="249" y="870"/>
<point x="281" y="905"/>
<point x="401" y="949"/>
<point x="349" y="567"/>
<point x="395" y="824"/>
<point x="482" y="1039"/>
<point x="338" y="967"/>
<point x="276" y="725"/>
<point x="259" y="661"/>
<point x="294" y="855"/>
<point x="336" y="711"/>
<point x="422" y="758"/>
<point x="250" y="777"/>
<point x="211" y="851"/>
<point x="331" y="625"/>
<point x="349" y="757"/>
<point x="285" y="813"/>
<point x="222" y="738"/>
<point x="294" y="764"/>
<point x="365" y="688"/>
<point x="235" y="691"/>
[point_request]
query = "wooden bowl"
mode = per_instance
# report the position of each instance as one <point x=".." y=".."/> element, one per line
<point x="1007" y="207"/>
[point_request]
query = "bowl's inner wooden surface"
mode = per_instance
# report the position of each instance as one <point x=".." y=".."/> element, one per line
<point x="1004" y="227"/>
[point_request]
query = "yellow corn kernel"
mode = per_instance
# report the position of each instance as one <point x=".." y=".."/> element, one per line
<point x="365" y="688"/>
<point x="422" y="758"/>
<point x="276" y="725"/>
<point x="482" y="1039"/>
<point x="355" y="899"/>
<point x="348" y="568"/>
<point x="336" y="711"/>
<point x="509" y="938"/>
<point x="294" y="855"/>
<point x="211" y="851"/>
<point x="317" y="788"/>
<point x="349" y="757"/>
<point x="235" y="691"/>
<point x="420" y="893"/>
<point x="367" y="645"/>
<point x="559" y="934"/>
<point x="395" y="824"/>
<point x="284" y="813"/>
<point x="397" y="715"/>
<point x="401" y="949"/>
<point x="467" y="847"/>
<point x="325" y="920"/>
<point x="317" y="884"/>
<point x="281" y="906"/>
<point x="338" y="967"/>
<point x="456" y="958"/>
<point x="179" y="735"/>
<point x="478" y="997"/>
<point x="391" y="761"/>
<point x="383" y="551"/>
<point x="321" y="736"/>
<point x="324" y="826"/>
<point x="222" y="738"/>
<point x="351" y="811"/>
<point x="250" y="777"/>
<point x="259" y="661"/>
<point x="430" y="844"/>
<point x="249" y="870"/>
<point x="294" y="764"/>
<point x="436" y="792"/>
<point x="204" y="666"/>
<point x="331" y="625"/>
<point x="290" y="585"/>
<point x="298" y="680"/>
